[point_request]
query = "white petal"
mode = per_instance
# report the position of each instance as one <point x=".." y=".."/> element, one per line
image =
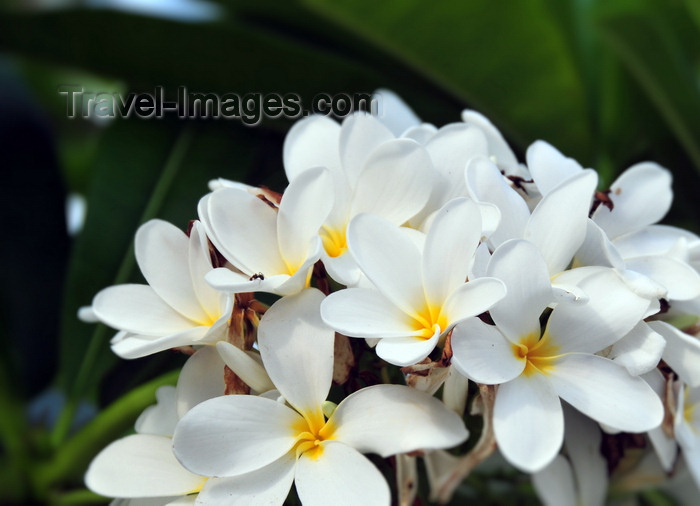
<point x="611" y="312"/>
<point x="451" y="148"/>
<point x="403" y="351"/>
<point x="234" y="434"/>
<point x="528" y="422"/>
<point x="87" y="315"/>
<point x="640" y="350"/>
<point x="136" y="346"/>
<point x="229" y="281"/>
<point x="389" y="259"/>
<point x="201" y="378"/>
<point x="244" y="230"/>
<point x="421" y="133"/>
<point x="303" y="209"/>
<point x="360" y="134"/>
<point x="597" y="249"/>
<point x="162" y="252"/>
<point x="297" y="349"/>
<point x="455" y="391"/>
<point x="483" y="354"/>
<point x="141" y="465"/>
<point x="486" y="184"/>
<point x="682" y="352"/>
<point x="200" y="264"/>
<point x="138" y="309"/>
<point x="245" y="367"/>
<point x="161" y="418"/>
<point x="342" y="269"/>
<point x="558" y="224"/>
<point x="364" y="312"/>
<point x="395" y="182"/>
<point x="606" y="392"/>
<point x="269" y="485"/>
<point x="497" y="146"/>
<point x="340" y="476"/>
<point x="665" y="447"/>
<point x="449" y="248"/>
<point x="681" y="280"/>
<point x="311" y="142"/>
<point x="641" y="196"/>
<point x="654" y="240"/>
<point x="582" y="442"/>
<point x="521" y="267"/>
<point x="391" y="419"/>
<point x="555" y="484"/>
<point x="394" y="112"/>
<point x="473" y="298"/>
<point x="549" y="167"/>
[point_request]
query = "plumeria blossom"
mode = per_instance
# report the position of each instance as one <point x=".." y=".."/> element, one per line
<point x="177" y="307"/>
<point x="271" y="249"/>
<point x="456" y="264"/>
<point x="259" y="446"/>
<point x="534" y="368"/>
<point x="418" y="295"/>
<point x="372" y="172"/>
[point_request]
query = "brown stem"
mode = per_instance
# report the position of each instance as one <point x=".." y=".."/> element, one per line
<point x="483" y="449"/>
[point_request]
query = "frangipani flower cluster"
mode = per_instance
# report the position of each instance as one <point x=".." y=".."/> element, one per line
<point x="410" y="260"/>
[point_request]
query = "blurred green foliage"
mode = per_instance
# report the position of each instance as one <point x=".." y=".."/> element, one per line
<point x="608" y="82"/>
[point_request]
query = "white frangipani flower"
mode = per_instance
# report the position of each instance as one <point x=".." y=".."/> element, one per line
<point x="259" y="446"/>
<point x="418" y="295"/>
<point x="177" y="307"/>
<point x="372" y="172"/>
<point x="272" y="249"/>
<point x="535" y="369"/>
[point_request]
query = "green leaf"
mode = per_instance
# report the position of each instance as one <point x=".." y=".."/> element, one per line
<point x="143" y="170"/>
<point x="651" y="51"/>
<point x="247" y="52"/>
<point x="72" y="458"/>
<point x="511" y="62"/>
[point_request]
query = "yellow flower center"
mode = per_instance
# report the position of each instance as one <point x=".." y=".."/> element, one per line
<point x="539" y="353"/>
<point x="429" y="320"/>
<point x="312" y="431"/>
<point x="334" y="241"/>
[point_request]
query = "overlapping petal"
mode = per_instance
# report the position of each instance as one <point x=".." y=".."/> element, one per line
<point x="364" y="312"/>
<point x="162" y="252"/>
<point x="606" y="392"/>
<point x="549" y="167"/>
<point x="641" y="196"/>
<point x="141" y="465"/>
<point x="389" y="259"/>
<point x="341" y="477"/>
<point x="374" y="420"/>
<point x="140" y="310"/>
<point x="297" y="349"/>
<point x="558" y="224"/>
<point x="483" y="354"/>
<point x="611" y="312"/>
<point x="449" y="247"/>
<point x="528" y="422"/>
<point x="395" y="182"/>
<point x="266" y="486"/>
<point x="234" y="434"/>
<point x="522" y="269"/>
